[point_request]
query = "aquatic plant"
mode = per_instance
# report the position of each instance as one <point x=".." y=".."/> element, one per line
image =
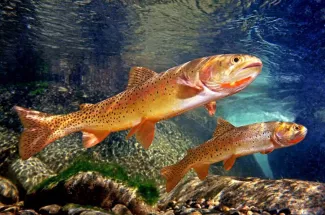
<point x="40" y="88"/>
<point x="146" y="189"/>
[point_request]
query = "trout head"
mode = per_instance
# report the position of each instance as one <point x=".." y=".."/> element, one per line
<point x="229" y="73"/>
<point x="288" y="134"/>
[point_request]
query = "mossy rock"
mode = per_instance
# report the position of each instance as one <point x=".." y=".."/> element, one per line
<point x="94" y="183"/>
<point x="145" y="188"/>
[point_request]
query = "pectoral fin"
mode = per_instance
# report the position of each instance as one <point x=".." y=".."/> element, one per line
<point x="211" y="107"/>
<point x="144" y="133"/>
<point x="228" y="163"/>
<point x="188" y="88"/>
<point x="91" y="138"/>
<point x="197" y="85"/>
<point x="202" y="170"/>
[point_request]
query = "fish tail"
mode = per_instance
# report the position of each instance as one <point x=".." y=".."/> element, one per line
<point x="174" y="174"/>
<point x="40" y="129"/>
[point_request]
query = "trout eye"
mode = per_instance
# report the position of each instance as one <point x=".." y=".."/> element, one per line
<point x="296" y="127"/>
<point x="236" y="59"/>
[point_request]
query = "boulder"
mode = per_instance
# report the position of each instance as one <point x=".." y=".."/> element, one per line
<point x="88" y="188"/>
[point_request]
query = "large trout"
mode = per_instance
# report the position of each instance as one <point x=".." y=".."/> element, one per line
<point x="149" y="98"/>
<point x="230" y="142"/>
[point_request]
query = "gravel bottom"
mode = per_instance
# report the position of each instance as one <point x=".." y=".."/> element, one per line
<point x="203" y="206"/>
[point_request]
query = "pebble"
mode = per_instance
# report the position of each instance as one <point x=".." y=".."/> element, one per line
<point x="249" y="213"/>
<point x="200" y="201"/>
<point x="233" y="212"/>
<point x="195" y="213"/>
<point x="8" y="192"/>
<point x="93" y="213"/>
<point x="187" y="211"/>
<point x="273" y="211"/>
<point x="27" y="212"/>
<point x="224" y="208"/>
<point x="169" y="212"/>
<point x="265" y="213"/>
<point x="121" y="209"/>
<point x="171" y="204"/>
<point x="282" y="214"/>
<point x="50" y="209"/>
<point x="285" y="211"/>
<point x="255" y="209"/>
<point x="244" y="209"/>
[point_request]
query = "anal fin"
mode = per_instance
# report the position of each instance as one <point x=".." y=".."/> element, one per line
<point x="144" y="132"/>
<point x="202" y="170"/>
<point x="92" y="137"/>
<point x="229" y="163"/>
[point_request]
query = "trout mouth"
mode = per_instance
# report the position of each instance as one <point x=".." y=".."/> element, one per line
<point x="244" y="76"/>
<point x="256" y="64"/>
<point x="238" y="79"/>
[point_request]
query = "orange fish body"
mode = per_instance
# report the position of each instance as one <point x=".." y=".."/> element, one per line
<point x="230" y="142"/>
<point x="149" y="98"/>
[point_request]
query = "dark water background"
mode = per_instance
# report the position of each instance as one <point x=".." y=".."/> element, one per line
<point x="93" y="43"/>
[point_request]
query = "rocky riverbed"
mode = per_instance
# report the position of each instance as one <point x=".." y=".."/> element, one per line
<point x="89" y="193"/>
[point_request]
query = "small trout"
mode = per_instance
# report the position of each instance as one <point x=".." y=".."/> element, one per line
<point x="230" y="142"/>
<point x="149" y="98"/>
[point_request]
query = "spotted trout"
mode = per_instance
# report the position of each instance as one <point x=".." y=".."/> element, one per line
<point x="150" y="97"/>
<point x="230" y="142"/>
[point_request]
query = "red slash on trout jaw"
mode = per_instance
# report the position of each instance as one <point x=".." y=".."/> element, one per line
<point x="238" y="83"/>
<point x="243" y="80"/>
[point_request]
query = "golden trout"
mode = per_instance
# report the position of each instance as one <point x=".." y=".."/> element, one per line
<point x="230" y="142"/>
<point x="149" y="98"/>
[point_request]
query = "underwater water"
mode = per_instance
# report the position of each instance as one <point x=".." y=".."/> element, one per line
<point x="56" y="55"/>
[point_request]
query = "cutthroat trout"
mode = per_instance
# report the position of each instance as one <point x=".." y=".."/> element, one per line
<point x="149" y="98"/>
<point x="230" y="142"/>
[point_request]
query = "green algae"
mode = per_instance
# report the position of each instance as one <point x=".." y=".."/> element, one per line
<point x="39" y="88"/>
<point x="146" y="189"/>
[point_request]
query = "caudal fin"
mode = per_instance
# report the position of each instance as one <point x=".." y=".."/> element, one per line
<point x="173" y="174"/>
<point x="37" y="131"/>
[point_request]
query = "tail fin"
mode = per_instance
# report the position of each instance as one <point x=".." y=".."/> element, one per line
<point x="37" y="131"/>
<point x="174" y="174"/>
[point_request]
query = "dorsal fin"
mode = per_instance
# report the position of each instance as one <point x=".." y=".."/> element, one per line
<point x="138" y="75"/>
<point x="85" y="105"/>
<point x="222" y="127"/>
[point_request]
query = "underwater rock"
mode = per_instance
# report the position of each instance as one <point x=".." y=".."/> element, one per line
<point x="301" y="197"/>
<point x="8" y="192"/>
<point x="27" y="212"/>
<point x="50" y="209"/>
<point x="88" y="188"/>
<point x="74" y="209"/>
<point x="121" y="209"/>
<point x="30" y="172"/>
